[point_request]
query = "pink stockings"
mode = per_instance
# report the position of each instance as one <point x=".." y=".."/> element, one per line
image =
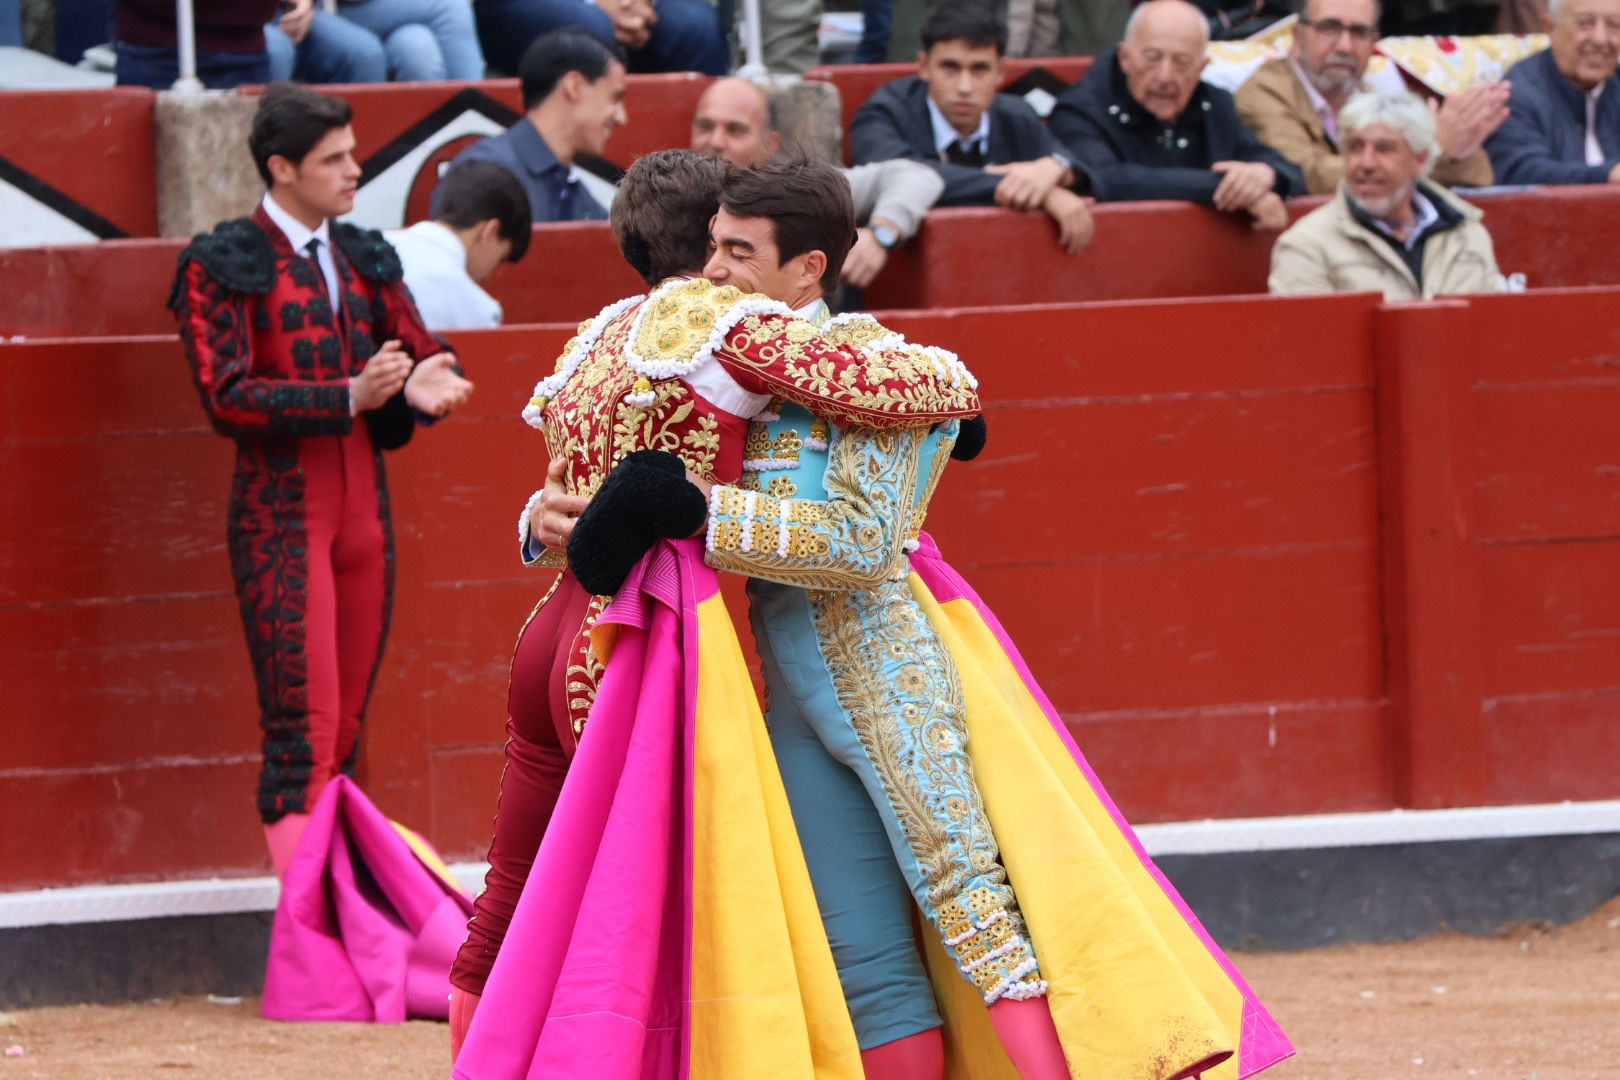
<point x="462" y="1005"/>
<point x="1030" y="1038"/>
<point x="915" y="1057"/>
<point x="1025" y="1029"/>
<point x="282" y="840"/>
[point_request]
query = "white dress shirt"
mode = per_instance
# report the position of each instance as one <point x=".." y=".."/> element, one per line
<point x="1594" y="152"/>
<point x="945" y="134"/>
<point x="299" y="235"/>
<point x="435" y="263"/>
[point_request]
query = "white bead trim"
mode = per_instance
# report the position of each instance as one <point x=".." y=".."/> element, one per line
<point x="750" y="501"/>
<point x="549" y="386"/>
<point x="817" y="445"/>
<point x="782" y="529"/>
<point x="523" y="520"/>
<point x="946" y="363"/>
<point x="770" y="464"/>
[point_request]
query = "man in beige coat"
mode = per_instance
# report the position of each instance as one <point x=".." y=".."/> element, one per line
<point x="1291" y="102"/>
<point x="1387" y="230"/>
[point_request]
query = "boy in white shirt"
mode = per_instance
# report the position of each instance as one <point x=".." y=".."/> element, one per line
<point x="483" y="221"/>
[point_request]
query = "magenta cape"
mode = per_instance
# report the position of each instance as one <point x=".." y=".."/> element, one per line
<point x="667" y="930"/>
<point x="368" y="922"/>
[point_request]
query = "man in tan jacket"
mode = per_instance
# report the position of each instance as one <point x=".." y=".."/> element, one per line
<point x="1291" y="102"/>
<point x="1387" y="230"/>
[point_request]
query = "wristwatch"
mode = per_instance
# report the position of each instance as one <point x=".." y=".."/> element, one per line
<point x="887" y="236"/>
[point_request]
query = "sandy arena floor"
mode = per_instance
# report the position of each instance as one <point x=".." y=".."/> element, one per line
<point x="1530" y="1004"/>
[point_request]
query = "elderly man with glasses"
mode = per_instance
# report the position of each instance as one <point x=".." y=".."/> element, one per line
<point x="1141" y="125"/>
<point x="1292" y="102"/>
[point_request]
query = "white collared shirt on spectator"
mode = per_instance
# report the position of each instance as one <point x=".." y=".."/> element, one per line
<point x="435" y="263"/>
<point x="945" y="135"/>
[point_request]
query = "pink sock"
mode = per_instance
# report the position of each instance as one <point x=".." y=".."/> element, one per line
<point x="915" y="1057"/>
<point x="1030" y="1038"/>
<point x="462" y="1006"/>
<point x="282" y="839"/>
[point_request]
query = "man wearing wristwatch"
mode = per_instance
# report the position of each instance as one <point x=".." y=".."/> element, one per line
<point x="733" y="121"/>
<point x="988" y="148"/>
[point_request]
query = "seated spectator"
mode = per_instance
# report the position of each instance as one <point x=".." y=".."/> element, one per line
<point x="482" y="221"/>
<point x="425" y="40"/>
<point x="658" y="35"/>
<point x="733" y="120"/>
<point x="230" y="43"/>
<point x="1565" y="127"/>
<point x="308" y="43"/>
<point x="1291" y="102"/>
<point x="989" y="148"/>
<point x="1142" y="125"/>
<point x="1387" y="230"/>
<point x="573" y="97"/>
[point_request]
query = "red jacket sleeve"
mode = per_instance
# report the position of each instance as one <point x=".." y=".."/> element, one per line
<point x="400" y="320"/>
<point x="216" y="329"/>
<point x="878" y="385"/>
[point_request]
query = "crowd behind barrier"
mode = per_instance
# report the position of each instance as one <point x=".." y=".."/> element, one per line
<point x="1365" y="561"/>
<point x="1142" y="251"/>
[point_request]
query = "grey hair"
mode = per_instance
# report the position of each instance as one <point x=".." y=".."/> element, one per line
<point x="1136" y="16"/>
<point x="1405" y="113"/>
<point x="1554" y="9"/>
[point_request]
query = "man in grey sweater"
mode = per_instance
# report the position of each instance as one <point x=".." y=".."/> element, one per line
<point x="733" y="121"/>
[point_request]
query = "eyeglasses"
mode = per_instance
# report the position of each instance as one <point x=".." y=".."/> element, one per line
<point x="1332" y="28"/>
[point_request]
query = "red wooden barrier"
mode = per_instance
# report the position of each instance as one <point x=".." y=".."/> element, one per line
<point x="1200" y="549"/>
<point x="82" y="161"/>
<point x="1142" y="251"/>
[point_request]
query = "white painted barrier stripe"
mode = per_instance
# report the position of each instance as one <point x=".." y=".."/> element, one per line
<point x="215" y="896"/>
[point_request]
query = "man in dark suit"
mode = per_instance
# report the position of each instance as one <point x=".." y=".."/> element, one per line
<point x="989" y="148"/>
<point x="573" y="97"/>
<point x="1143" y="125"/>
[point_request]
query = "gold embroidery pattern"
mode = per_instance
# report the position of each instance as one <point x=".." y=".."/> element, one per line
<point x="842" y="543"/>
<point x="901" y="692"/>
<point x="584" y="672"/>
<point x="898" y="386"/>
<point x="592" y="426"/>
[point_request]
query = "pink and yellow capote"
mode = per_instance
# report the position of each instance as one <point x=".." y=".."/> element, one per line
<point x="668" y="930"/>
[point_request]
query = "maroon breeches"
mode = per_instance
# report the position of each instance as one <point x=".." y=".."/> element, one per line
<point x="311" y="556"/>
<point x="537" y="732"/>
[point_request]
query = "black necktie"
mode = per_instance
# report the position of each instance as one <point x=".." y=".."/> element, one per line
<point x="965" y="152"/>
<point x="314" y="249"/>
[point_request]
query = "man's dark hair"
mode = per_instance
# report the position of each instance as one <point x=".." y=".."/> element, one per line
<point x="478" y="191"/>
<point x="551" y="56"/>
<point x="808" y="203"/>
<point x="661" y="213"/>
<point x="971" y="21"/>
<point x="290" y="120"/>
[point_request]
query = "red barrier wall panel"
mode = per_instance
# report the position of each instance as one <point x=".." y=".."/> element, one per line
<point x="1185" y="541"/>
<point x="85" y="156"/>
<point x="1270" y="759"/>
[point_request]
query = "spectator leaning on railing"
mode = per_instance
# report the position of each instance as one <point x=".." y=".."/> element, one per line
<point x="733" y="119"/>
<point x="1142" y="125"/>
<point x="1292" y="102"/>
<point x="1387" y="230"/>
<point x="1565" y="127"/>
<point x="573" y="98"/>
<point x="989" y="148"/>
